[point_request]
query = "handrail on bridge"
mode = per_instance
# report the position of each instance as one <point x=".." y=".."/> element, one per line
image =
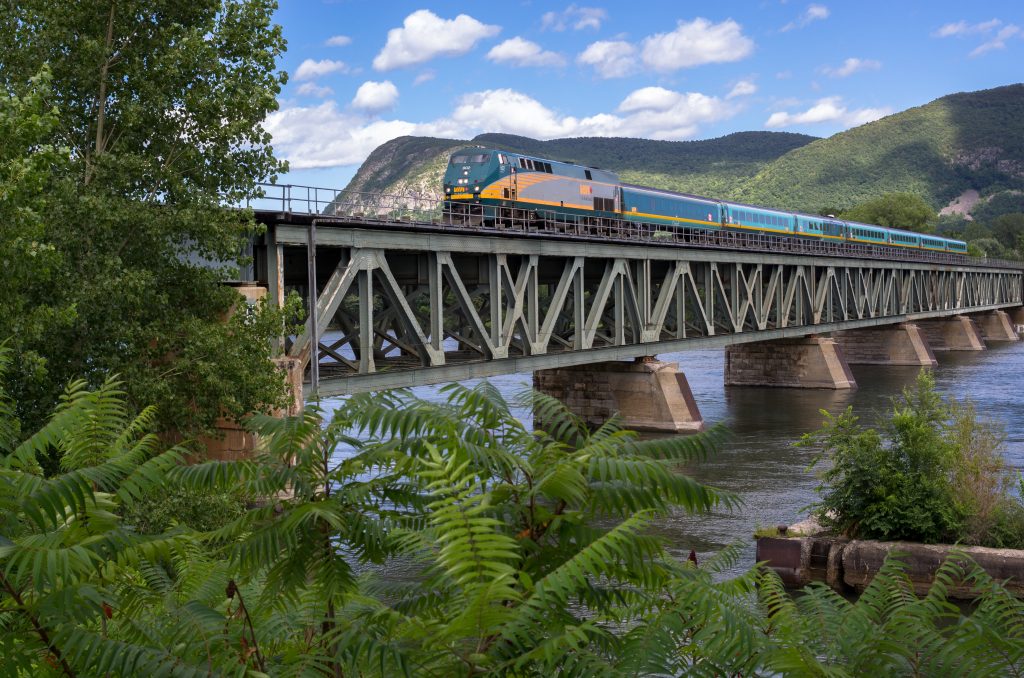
<point x="427" y="210"/>
<point x="333" y="202"/>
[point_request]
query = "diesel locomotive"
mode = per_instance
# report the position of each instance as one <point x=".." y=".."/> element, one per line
<point x="480" y="182"/>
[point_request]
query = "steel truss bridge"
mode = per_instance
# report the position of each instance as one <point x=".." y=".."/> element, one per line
<point x="404" y="294"/>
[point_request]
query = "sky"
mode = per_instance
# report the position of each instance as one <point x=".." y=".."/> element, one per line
<point x="362" y="73"/>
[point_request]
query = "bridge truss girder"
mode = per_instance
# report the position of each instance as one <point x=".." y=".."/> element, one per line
<point x="401" y="309"/>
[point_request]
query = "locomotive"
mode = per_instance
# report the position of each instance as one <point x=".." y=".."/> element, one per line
<point x="478" y="182"/>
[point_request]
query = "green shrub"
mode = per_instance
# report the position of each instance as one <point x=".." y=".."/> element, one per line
<point x="197" y="510"/>
<point x="933" y="474"/>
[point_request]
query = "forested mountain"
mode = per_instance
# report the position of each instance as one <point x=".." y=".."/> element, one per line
<point x="961" y="142"/>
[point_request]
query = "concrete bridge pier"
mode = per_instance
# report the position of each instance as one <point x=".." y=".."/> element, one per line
<point x="902" y="344"/>
<point x="648" y="395"/>
<point x="958" y="333"/>
<point x="996" y="326"/>
<point x="807" y="362"/>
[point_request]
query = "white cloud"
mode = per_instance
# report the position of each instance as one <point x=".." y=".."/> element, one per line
<point x="311" y="89"/>
<point x="375" y="96"/>
<point x="338" y="41"/>
<point x="695" y="43"/>
<point x="998" y="41"/>
<point x="310" y="69"/>
<point x="829" y="109"/>
<point x="610" y="58"/>
<point x="506" y="110"/>
<point x="573" y="17"/>
<point x="851" y="66"/>
<point x="961" y="28"/>
<point x="652" y="112"/>
<point x="424" y="35"/>
<point x="649" y="99"/>
<point x="519" y="52"/>
<point x="741" y="89"/>
<point x="863" y="116"/>
<point x="325" y="136"/>
<point x="425" y="76"/>
<point x="811" y="14"/>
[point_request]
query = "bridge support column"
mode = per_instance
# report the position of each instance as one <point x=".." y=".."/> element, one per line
<point x="958" y="333"/>
<point x="808" y="362"/>
<point x="996" y="326"/>
<point x="648" y="395"/>
<point x="231" y="440"/>
<point x="902" y="344"/>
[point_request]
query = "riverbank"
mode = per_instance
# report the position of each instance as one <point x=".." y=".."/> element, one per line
<point x="802" y="554"/>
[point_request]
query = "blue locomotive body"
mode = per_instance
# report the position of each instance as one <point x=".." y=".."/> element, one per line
<point x="478" y="180"/>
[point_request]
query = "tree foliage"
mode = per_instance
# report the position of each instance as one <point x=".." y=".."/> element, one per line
<point x="894" y="210"/>
<point x="140" y="121"/>
<point x="429" y="539"/>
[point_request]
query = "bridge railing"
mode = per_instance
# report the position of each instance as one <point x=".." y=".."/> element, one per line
<point x="428" y="210"/>
<point x="329" y="202"/>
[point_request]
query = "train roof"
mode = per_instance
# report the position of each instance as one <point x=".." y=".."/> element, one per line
<point x="545" y="159"/>
<point x="668" y="192"/>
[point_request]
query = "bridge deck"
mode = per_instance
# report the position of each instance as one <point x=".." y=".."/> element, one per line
<point x="401" y="303"/>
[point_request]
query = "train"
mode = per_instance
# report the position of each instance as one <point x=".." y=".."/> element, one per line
<point x="478" y="178"/>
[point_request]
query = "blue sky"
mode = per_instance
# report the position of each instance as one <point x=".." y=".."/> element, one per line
<point x="363" y="72"/>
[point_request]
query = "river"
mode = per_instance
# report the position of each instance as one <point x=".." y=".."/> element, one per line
<point x="759" y="463"/>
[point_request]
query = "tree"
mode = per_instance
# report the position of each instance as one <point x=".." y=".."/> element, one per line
<point x="1008" y="229"/>
<point x="152" y="114"/>
<point x="894" y="210"/>
<point x="988" y="247"/>
<point x="30" y="262"/>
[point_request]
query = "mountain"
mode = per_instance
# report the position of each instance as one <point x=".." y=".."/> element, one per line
<point x="972" y="140"/>
<point x="964" y="142"/>
<point x="416" y="164"/>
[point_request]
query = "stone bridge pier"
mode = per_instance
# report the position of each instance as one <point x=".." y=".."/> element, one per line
<point x="1017" y="316"/>
<point x="807" y="362"/>
<point x="956" y="333"/>
<point x="647" y="394"/>
<point x="902" y="344"/>
<point x="996" y="326"/>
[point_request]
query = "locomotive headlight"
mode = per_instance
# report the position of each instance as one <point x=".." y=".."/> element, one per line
<point x="476" y="188"/>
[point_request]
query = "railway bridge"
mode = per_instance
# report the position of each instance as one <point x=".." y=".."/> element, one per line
<point x="402" y="295"/>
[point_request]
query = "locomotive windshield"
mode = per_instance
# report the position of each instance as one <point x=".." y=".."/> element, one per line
<point x="463" y="159"/>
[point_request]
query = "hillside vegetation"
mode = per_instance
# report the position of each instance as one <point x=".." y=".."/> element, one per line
<point x="961" y="141"/>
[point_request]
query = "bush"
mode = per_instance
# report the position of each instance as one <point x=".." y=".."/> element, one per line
<point x="197" y="510"/>
<point x="934" y="474"/>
